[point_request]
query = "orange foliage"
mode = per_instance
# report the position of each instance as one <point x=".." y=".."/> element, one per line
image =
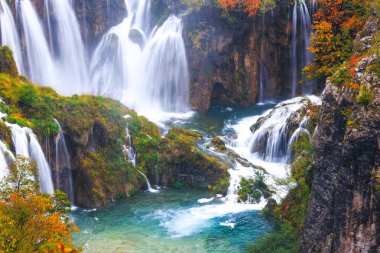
<point x="335" y="24"/>
<point x="249" y="6"/>
<point x="29" y="224"/>
<point x="31" y="221"/>
<point x="329" y="11"/>
<point x="353" y="64"/>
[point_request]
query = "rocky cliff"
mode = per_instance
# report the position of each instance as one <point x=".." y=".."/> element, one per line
<point x="229" y="55"/>
<point x="343" y="215"/>
<point x="94" y="129"/>
<point x="226" y="52"/>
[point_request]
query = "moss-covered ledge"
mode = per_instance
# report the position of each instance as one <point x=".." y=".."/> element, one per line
<point x="95" y="132"/>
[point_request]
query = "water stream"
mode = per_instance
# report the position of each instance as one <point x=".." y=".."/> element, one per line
<point x="63" y="165"/>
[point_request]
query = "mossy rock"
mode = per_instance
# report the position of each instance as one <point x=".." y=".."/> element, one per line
<point x="218" y="144"/>
<point x="7" y="63"/>
<point x="95" y="131"/>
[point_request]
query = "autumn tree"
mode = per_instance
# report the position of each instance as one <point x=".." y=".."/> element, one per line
<point x="335" y="25"/>
<point x="249" y="6"/>
<point x="31" y="221"/>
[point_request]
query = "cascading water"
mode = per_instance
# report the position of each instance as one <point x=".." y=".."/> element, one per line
<point x="128" y="149"/>
<point x="5" y="157"/>
<point x="63" y="165"/>
<point x="265" y="140"/>
<point x="41" y="67"/>
<point x="145" y="68"/>
<point x="150" y="189"/>
<point x="130" y="152"/>
<point x="263" y="73"/>
<point x="301" y="25"/>
<point x="36" y="153"/>
<point x="164" y="64"/>
<point x="26" y="144"/>
<point x="20" y="140"/>
<point x="299" y="131"/>
<point x="148" y="67"/>
<point x="9" y="35"/>
<point x="71" y="58"/>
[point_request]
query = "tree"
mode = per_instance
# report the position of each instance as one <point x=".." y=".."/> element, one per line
<point x="31" y="221"/>
<point x="335" y="25"/>
<point x="249" y="6"/>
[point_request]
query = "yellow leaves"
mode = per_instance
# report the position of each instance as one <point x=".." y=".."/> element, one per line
<point x="32" y="223"/>
<point x="249" y="6"/>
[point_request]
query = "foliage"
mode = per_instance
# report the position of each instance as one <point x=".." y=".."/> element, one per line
<point x="335" y="25"/>
<point x="249" y="6"/>
<point x="365" y="96"/>
<point x="292" y="209"/>
<point x="178" y="150"/>
<point x="193" y="4"/>
<point x="285" y="240"/>
<point x="218" y="144"/>
<point x="253" y="189"/>
<point x="29" y="220"/>
<point x="7" y="63"/>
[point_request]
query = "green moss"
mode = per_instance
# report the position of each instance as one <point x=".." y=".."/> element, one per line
<point x="221" y="186"/>
<point x="218" y="144"/>
<point x="341" y="76"/>
<point x="284" y="240"/>
<point x="100" y="123"/>
<point x="365" y="96"/>
<point x="253" y="189"/>
<point x="293" y="207"/>
<point x="7" y="63"/>
<point x="5" y="133"/>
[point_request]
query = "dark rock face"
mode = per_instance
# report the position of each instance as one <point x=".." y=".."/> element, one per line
<point x="225" y="54"/>
<point x="344" y="213"/>
<point x="97" y="17"/>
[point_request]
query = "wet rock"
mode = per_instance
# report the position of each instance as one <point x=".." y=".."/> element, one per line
<point x="343" y="215"/>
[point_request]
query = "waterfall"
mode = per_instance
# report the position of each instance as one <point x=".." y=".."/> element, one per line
<point x="48" y="20"/>
<point x="26" y="144"/>
<point x="128" y="149"/>
<point x="71" y="58"/>
<point x="301" y="25"/>
<point x="9" y="35"/>
<point x="147" y="69"/>
<point x="5" y="157"/>
<point x="41" y="68"/>
<point x="20" y="140"/>
<point x="36" y="153"/>
<point x="150" y="189"/>
<point x="63" y="165"/>
<point x="164" y="64"/>
<point x="294" y="51"/>
<point x="263" y="73"/>
<point x="265" y="140"/>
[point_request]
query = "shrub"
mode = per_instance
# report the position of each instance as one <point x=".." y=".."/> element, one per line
<point x="365" y="96"/>
<point x="284" y="240"/>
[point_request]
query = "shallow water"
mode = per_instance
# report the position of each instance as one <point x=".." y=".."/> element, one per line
<point x="170" y="221"/>
<point x="173" y="220"/>
<point x="214" y="121"/>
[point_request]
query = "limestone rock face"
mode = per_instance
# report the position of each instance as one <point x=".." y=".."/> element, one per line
<point x="343" y="215"/>
<point x="225" y="54"/>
